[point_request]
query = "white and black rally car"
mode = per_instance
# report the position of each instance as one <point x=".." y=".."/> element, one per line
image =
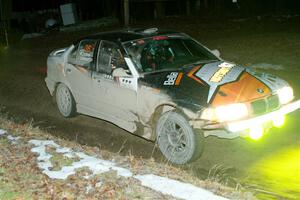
<point x="166" y="87"/>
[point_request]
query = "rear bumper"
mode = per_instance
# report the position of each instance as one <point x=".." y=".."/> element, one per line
<point x="242" y="127"/>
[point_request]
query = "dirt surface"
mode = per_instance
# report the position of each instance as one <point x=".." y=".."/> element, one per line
<point x="268" y="167"/>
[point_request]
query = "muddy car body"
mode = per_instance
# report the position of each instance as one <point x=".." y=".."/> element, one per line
<point x="166" y="87"/>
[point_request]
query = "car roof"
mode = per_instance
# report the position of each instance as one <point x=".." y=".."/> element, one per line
<point x="127" y="35"/>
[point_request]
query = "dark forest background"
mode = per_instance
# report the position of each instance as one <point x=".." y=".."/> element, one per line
<point x="31" y="15"/>
<point x="147" y="9"/>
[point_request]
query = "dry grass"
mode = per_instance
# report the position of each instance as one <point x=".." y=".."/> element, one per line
<point x="21" y="178"/>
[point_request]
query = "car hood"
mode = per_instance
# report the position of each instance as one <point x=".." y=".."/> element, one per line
<point x="216" y="83"/>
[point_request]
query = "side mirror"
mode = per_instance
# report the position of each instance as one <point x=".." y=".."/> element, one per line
<point x="216" y="52"/>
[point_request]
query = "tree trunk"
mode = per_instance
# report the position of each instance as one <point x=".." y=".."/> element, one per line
<point x="198" y="5"/>
<point x="5" y="9"/>
<point x="188" y="7"/>
<point x="205" y="4"/>
<point x="5" y="14"/>
<point x="126" y="13"/>
<point x="159" y="11"/>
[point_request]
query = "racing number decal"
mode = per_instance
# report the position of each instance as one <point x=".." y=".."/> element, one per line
<point x="173" y="78"/>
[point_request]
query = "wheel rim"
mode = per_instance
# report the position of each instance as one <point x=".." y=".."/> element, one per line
<point x="64" y="100"/>
<point x="174" y="140"/>
<point x="175" y="136"/>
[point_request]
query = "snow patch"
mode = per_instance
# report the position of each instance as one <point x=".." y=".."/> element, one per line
<point x="99" y="184"/>
<point x="97" y="166"/>
<point x="64" y="150"/>
<point x="12" y="139"/>
<point x="31" y="35"/>
<point x="2" y="132"/>
<point x="164" y="185"/>
<point x="88" y="176"/>
<point x="88" y="189"/>
<point x="176" y="188"/>
<point x="267" y="66"/>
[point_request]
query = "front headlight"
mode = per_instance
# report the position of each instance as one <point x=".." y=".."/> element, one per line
<point x="224" y="113"/>
<point x="231" y="112"/>
<point x="285" y="94"/>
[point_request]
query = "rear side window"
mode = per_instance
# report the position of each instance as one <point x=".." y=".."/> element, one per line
<point x="83" y="54"/>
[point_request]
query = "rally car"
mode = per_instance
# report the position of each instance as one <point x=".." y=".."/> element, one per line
<point x="166" y="87"/>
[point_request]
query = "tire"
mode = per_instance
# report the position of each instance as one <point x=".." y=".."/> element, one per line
<point x="65" y="101"/>
<point x="177" y="140"/>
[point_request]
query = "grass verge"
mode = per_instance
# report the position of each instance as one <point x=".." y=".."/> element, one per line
<point x="22" y="179"/>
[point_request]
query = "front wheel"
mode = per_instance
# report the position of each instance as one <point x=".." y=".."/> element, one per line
<point x="177" y="140"/>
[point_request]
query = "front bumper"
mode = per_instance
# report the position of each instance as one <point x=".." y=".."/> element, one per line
<point x="242" y="127"/>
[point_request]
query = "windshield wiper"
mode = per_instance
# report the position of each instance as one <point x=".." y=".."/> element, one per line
<point x="205" y="61"/>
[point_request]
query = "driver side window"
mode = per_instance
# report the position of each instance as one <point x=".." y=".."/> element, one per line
<point x="109" y="58"/>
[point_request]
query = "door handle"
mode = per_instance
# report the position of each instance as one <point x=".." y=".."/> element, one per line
<point x="68" y="70"/>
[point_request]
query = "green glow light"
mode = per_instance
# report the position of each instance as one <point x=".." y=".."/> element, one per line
<point x="278" y="173"/>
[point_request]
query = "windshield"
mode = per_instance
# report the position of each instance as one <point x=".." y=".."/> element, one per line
<point x="163" y="53"/>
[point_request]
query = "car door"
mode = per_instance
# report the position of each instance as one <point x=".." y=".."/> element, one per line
<point x="78" y="71"/>
<point x="116" y="93"/>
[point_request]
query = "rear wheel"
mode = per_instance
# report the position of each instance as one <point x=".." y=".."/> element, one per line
<point x="65" y="101"/>
<point x="176" y="139"/>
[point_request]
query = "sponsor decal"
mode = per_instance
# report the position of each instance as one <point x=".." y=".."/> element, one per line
<point x="226" y="65"/>
<point x="173" y="78"/>
<point x="191" y="74"/>
<point x="217" y="74"/>
<point x="110" y="77"/>
<point x="221" y="73"/>
<point x="179" y="77"/>
<point x="260" y="90"/>
<point x="130" y="83"/>
<point x="273" y="82"/>
<point x="125" y="80"/>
